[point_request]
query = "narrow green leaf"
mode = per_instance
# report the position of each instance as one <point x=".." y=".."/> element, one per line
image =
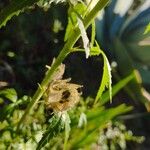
<point x="106" y="78"/>
<point x="116" y="88"/>
<point x="14" y="8"/>
<point x="84" y="36"/>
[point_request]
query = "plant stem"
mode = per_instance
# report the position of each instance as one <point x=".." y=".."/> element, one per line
<point x="62" y="55"/>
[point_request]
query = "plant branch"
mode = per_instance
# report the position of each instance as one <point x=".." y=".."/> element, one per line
<point x="62" y="55"/>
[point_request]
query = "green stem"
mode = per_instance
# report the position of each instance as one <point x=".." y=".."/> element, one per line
<point x="62" y="55"/>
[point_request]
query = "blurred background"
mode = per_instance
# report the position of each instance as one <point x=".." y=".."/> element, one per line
<point x="31" y="40"/>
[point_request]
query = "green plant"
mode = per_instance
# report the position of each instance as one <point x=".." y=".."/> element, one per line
<point x="23" y="128"/>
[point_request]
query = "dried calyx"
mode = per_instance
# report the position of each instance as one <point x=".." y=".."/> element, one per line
<point x="61" y="94"/>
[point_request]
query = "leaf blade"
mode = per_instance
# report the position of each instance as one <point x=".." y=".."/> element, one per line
<point x="14" y="8"/>
<point x="106" y="78"/>
<point x="85" y="38"/>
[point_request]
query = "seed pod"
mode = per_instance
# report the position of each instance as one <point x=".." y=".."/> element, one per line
<point x="61" y="94"/>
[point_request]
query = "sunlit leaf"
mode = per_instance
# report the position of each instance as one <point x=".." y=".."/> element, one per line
<point x="85" y="38"/>
<point x="94" y="51"/>
<point x="14" y="8"/>
<point x="106" y="77"/>
<point x="10" y="94"/>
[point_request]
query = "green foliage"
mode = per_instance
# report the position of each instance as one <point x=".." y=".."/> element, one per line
<point x="96" y="118"/>
<point x="43" y="131"/>
<point x="73" y="14"/>
<point x="78" y="127"/>
<point x="38" y="133"/>
<point x="106" y="78"/>
<point x="46" y="4"/>
<point x="53" y="129"/>
<point x="15" y="7"/>
<point x="30" y="132"/>
<point x="10" y="94"/>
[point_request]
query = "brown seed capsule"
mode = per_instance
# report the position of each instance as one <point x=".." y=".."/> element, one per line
<point x="61" y="94"/>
